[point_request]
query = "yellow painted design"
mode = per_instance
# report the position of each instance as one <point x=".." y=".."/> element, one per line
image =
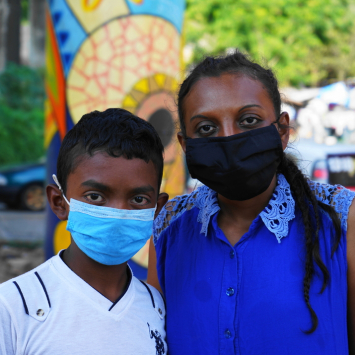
<point x="61" y="237"/>
<point x="149" y="86"/>
<point x="90" y="5"/>
<point x="174" y="176"/>
<point x="160" y="79"/>
<point x="129" y="101"/>
<point x="94" y="13"/>
<point x="50" y="126"/>
<point x="138" y="2"/>
<point x="141" y="258"/>
<point x="142" y="86"/>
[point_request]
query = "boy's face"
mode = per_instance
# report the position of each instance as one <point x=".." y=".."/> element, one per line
<point x="107" y="181"/>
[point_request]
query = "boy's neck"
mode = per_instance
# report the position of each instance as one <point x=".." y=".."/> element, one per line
<point x="110" y="281"/>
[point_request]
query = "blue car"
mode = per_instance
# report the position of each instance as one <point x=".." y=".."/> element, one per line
<point x="22" y="186"/>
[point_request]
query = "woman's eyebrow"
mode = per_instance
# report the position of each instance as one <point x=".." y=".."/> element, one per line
<point x="96" y="185"/>
<point x="248" y="106"/>
<point x="198" y="116"/>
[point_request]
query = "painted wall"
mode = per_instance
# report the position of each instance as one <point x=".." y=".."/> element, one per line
<point x="113" y="53"/>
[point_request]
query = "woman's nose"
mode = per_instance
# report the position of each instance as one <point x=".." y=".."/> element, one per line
<point x="228" y="129"/>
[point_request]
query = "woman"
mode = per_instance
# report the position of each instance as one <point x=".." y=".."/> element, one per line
<point x="260" y="260"/>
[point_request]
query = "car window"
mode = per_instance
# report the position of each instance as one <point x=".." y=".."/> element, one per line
<point x="341" y="169"/>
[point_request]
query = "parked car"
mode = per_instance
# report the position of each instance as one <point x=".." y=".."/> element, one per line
<point x="331" y="164"/>
<point x="22" y="186"/>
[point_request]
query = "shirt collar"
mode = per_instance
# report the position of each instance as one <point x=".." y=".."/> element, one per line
<point x="276" y="215"/>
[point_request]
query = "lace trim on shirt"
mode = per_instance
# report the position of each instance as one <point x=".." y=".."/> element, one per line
<point x="173" y="210"/>
<point x="336" y="196"/>
<point x="207" y="203"/>
<point x="280" y="210"/>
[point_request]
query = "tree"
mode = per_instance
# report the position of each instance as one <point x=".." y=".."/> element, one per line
<point x="305" y="41"/>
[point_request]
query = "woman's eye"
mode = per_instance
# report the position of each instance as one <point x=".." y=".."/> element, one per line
<point x="250" y="121"/>
<point x="206" y="129"/>
<point x="140" y="200"/>
<point x="94" y="197"/>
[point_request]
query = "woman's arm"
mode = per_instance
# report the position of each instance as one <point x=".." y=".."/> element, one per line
<point x="350" y="236"/>
<point x="152" y="278"/>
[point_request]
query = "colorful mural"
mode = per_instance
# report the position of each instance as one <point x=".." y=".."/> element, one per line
<point x="105" y="53"/>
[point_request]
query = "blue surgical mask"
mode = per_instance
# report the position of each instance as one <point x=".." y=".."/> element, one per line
<point x="108" y="235"/>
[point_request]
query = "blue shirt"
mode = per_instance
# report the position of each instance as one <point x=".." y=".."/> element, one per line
<point x="248" y="298"/>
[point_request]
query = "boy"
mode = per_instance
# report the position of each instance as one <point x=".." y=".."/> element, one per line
<point x="85" y="300"/>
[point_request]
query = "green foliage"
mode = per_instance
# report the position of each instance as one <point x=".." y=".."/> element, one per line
<point x="305" y="41"/>
<point x="22" y="87"/>
<point x="24" y="10"/>
<point x="21" y="115"/>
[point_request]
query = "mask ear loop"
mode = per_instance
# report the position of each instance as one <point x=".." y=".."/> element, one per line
<point x="60" y="187"/>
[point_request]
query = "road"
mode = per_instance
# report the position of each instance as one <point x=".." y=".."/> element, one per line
<point x="23" y="228"/>
<point x="21" y="225"/>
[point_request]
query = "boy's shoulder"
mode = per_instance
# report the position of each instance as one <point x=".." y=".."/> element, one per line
<point x="148" y="297"/>
<point x="26" y="294"/>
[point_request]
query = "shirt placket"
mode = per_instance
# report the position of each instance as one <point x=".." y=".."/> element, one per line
<point x="228" y="302"/>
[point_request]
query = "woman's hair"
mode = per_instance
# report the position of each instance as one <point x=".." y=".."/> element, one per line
<point x="307" y="203"/>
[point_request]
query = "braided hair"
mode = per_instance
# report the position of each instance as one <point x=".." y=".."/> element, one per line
<point x="306" y="201"/>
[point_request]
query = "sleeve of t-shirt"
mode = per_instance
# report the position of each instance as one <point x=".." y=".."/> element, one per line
<point x="7" y="331"/>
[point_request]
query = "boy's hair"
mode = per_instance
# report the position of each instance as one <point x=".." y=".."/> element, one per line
<point x="114" y="131"/>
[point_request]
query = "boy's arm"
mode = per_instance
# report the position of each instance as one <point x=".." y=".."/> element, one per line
<point x="152" y="278"/>
<point x="7" y="331"/>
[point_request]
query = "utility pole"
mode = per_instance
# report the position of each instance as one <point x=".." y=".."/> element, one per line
<point x="4" y="12"/>
<point x="13" y="31"/>
<point x="37" y="9"/>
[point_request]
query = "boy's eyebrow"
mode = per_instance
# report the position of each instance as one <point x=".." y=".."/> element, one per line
<point x="96" y="185"/>
<point x="143" y="189"/>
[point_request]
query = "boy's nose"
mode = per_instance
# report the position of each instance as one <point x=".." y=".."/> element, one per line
<point x="120" y="205"/>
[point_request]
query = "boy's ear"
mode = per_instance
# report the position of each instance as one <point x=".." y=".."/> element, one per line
<point x="58" y="205"/>
<point x="162" y="200"/>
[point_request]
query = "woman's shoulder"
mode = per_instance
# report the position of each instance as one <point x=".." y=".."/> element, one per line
<point x="202" y="198"/>
<point x="337" y="196"/>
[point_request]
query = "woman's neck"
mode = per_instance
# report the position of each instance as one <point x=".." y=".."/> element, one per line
<point x="235" y="217"/>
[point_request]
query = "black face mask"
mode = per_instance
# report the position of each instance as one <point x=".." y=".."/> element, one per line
<point x="238" y="167"/>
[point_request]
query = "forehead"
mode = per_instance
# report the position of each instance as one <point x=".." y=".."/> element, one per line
<point x="114" y="172"/>
<point x="228" y="90"/>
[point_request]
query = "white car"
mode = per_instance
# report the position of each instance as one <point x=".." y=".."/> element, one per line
<point x="331" y="164"/>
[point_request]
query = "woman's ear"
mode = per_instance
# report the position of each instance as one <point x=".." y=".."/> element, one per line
<point x="182" y="141"/>
<point x="284" y="129"/>
<point x="56" y="200"/>
<point x="162" y="200"/>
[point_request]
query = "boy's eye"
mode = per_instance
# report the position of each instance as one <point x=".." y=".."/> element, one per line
<point x="140" y="200"/>
<point x="94" y="198"/>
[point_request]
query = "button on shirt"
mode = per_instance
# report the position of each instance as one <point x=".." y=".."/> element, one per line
<point x="248" y="298"/>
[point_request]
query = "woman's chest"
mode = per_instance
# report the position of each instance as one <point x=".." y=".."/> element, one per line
<point x="248" y="296"/>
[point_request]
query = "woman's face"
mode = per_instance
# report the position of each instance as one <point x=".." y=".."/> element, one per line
<point x="227" y="105"/>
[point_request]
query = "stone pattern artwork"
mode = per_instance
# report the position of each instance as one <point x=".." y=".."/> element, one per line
<point x="104" y="53"/>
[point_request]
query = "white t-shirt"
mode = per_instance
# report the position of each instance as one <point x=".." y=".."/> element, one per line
<point x="51" y="310"/>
